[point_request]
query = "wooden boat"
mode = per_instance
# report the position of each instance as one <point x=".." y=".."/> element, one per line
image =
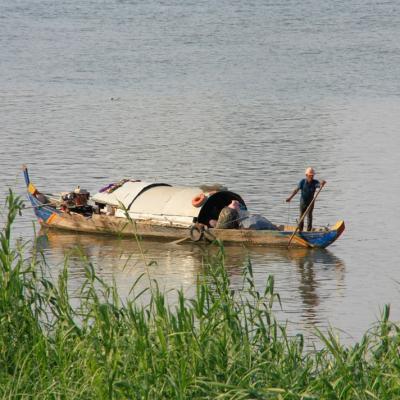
<point x="162" y="211"/>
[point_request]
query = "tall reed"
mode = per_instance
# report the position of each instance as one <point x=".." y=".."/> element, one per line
<point x="220" y="344"/>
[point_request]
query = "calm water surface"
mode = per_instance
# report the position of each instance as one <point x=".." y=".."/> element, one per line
<point x="244" y="94"/>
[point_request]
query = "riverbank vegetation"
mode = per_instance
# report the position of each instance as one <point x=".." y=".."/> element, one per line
<point x="221" y="344"/>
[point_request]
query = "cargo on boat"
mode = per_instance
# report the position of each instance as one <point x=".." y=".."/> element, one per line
<point x="149" y="209"/>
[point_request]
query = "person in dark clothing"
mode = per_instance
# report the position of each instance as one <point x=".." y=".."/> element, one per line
<point x="307" y="186"/>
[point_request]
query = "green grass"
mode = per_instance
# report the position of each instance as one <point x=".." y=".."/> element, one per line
<point x="220" y="344"/>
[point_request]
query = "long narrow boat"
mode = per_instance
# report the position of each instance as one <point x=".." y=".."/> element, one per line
<point x="149" y="209"/>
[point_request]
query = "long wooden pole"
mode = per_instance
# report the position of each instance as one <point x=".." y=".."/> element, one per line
<point x="304" y="215"/>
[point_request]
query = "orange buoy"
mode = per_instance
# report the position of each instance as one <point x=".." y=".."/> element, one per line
<point x="199" y="200"/>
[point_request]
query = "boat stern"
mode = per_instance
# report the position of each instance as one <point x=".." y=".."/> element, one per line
<point x="321" y="239"/>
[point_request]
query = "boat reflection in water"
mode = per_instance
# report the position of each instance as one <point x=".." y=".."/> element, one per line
<point x="307" y="280"/>
<point x="318" y="274"/>
<point x="121" y="260"/>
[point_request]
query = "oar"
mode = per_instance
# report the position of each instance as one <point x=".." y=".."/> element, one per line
<point x="180" y="240"/>
<point x="304" y="215"/>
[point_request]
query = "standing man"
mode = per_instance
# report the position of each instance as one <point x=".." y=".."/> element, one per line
<point x="308" y="185"/>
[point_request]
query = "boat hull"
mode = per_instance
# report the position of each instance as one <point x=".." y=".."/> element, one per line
<point x="104" y="224"/>
<point x="54" y="218"/>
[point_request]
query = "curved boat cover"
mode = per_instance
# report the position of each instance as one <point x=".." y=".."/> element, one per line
<point x="165" y="204"/>
<point x="125" y="194"/>
<point x="162" y="203"/>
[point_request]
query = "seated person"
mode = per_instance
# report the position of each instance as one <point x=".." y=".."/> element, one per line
<point x="229" y="216"/>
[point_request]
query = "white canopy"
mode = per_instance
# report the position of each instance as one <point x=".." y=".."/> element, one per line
<point x="125" y="194"/>
<point x="163" y="203"/>
<point x="167" y="200"/>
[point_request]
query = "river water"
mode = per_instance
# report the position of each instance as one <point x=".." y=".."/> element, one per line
<point x="247" y="94"/>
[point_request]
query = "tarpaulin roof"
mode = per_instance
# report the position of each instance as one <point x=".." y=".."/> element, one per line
<point x="167" y="200"/>
<point x="171" y="204"/>
<point x="125" y="194"/>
